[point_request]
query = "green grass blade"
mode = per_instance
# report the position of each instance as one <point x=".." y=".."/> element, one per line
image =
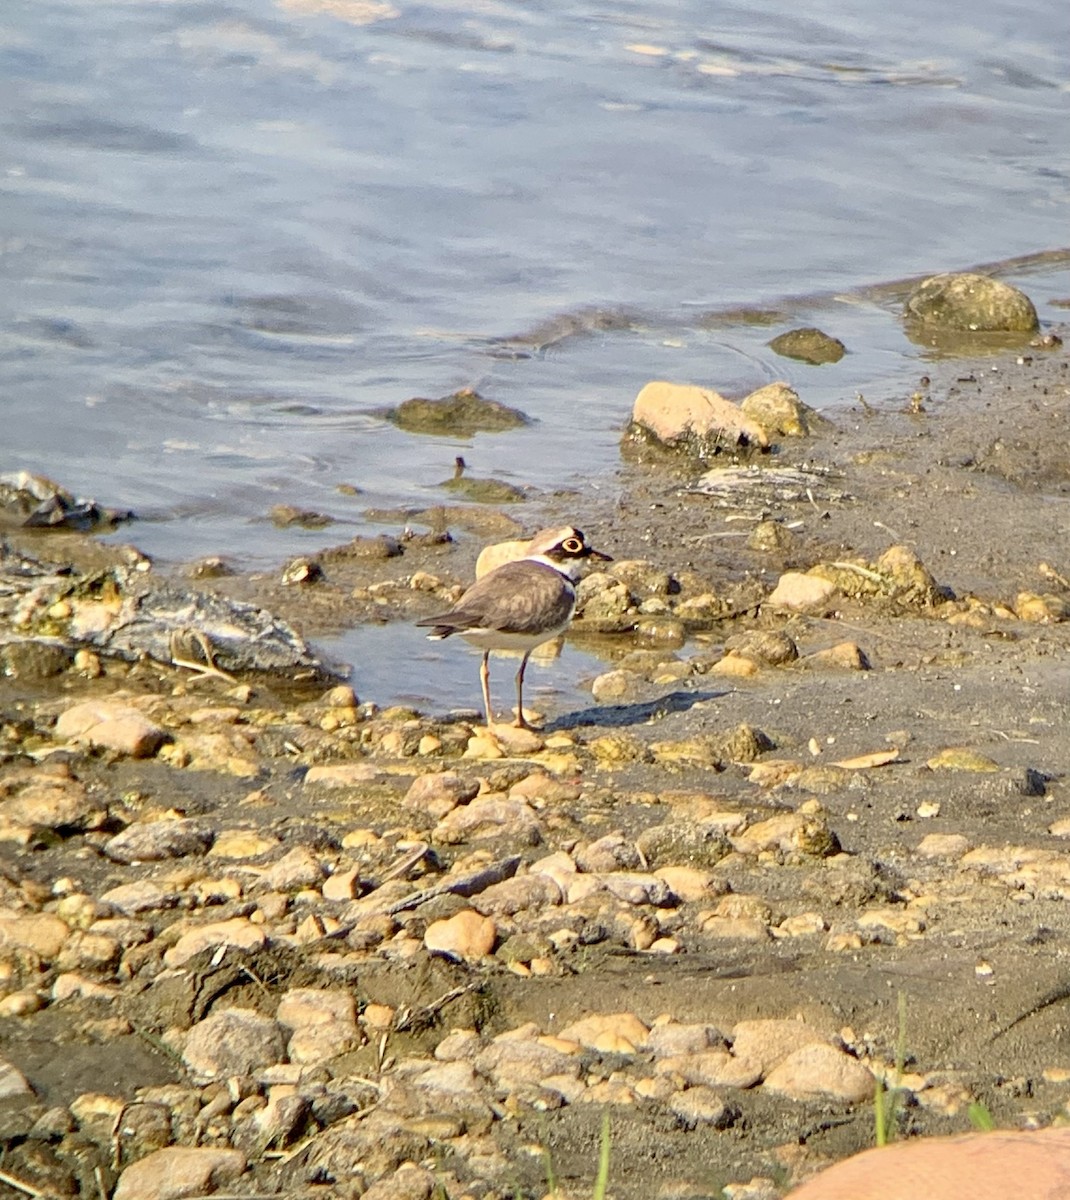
<point x="601" y="1183"/>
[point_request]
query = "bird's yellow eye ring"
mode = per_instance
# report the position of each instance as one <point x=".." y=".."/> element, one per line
<point x="572" y="545"/>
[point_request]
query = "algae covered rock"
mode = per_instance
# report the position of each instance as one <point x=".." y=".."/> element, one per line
<point x="460" y="415"/>
<point x="808" y="345"/>
<point x="971" y="303"/>
<point x="779" y="411"/>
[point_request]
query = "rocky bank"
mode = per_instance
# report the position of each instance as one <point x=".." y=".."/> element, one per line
<point x="804" y="843"/>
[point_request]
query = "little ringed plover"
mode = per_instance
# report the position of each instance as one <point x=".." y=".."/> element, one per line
<point x="520" y="604"/>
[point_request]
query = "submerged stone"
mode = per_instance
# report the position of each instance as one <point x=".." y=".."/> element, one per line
<point x="808" y="345"/>
<point x="460" y="415"/>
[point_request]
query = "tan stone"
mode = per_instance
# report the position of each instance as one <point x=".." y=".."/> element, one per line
<point x="467" y="936"/>
<point x="111" y="726"/>
<point x="844" y="656"/>
<point x="688" y="883"/>
<point x="238" y="932"/>
<point x="801" y="593"/>
<point x="600" y="1030"/>
<point x="944" y="845"/>
<point x="242" y="843"/>
<point x="673" y="411"/>
<point x="178" y="1171"/>
<point x="735" y="666"/>
<point x="42" y="933"/>
<point x="768" y="1041"/>
<point x="821" y="1070"/>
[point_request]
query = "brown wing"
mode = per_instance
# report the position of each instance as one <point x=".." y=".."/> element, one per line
<point x="519" y="597"/>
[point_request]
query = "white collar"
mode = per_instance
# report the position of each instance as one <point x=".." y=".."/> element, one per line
<point x="545" y="561"/>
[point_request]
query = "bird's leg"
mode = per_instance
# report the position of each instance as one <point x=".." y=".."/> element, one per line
<point x="520" y="723"/>
<point x="484" y="679"/>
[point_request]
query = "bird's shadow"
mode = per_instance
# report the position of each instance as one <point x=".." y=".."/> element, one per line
<point x="615" y="716"/>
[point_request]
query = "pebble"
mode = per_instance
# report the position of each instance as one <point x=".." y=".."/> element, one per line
<point x="801" y="593"/>
<point x="693" y="418"/>
<point x="777" y="407"/>
<point x="439" y="794"/>
<point x="711" y="1068"/>
<point x="520" y="894"/>
<point x="178" y="1171"/>
<point x="703" y="1106"/>
<point x="688" y="884"/>
<point x="298" y="868"/>
<point x="768" y="1041"/>
<point x="468" y="936"/>
<point x="144" y="895"/>
<point x="151" y="841"/>
<point x="42" y="933"/>
<point x="239" y="933"/>
<point x="488" y="816"/>
<point x="620" y="1032"/>
<point x="844" y="656"/>
<point x="53" y="803"/>
<point x="342" y="775"/>
<point x="232" y="1041"/>
<point x="613" y="686"/>
<point x="819" y="1069"/>
<point x="110" y="725"/>
<point x="242" y="843"/>
<point x="322" y="1021"/>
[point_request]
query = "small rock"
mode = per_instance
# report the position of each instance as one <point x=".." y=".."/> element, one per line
<point x="803" y="832"/>
<point x="342" y="775"/>
<point x="768" y="1041"/>
<point x="961" y="758"/>
<point x="712" y="1068"/>
<point x="233" y="1041"/>
<point x="773" y="648"/>
<point x="703" y="1106"/>
<point x="439" y="794"/>
<point x="945" y="845"/>
<point x="462" y="414"/>
<point x="53" y="803"/>
<point x="821" y="1070"/>
<point x="239" y="933"/>
<point x="695" y="419"/>
<point x="844" y="656"/>
<point x="299" y="868"/>
<point x="110" y="726"/>
<point x="517" y="743"/>
<point x="468" y="936"/>
<point x="801" y="593"/>
<point x="178" y="1171"/>
<point x="689" y="884"/>
<point x="522" y="893"/>
<point x="489" y="816"/>
<point x="42" y="933"/>
<point x="734" y="666"/>
<point x="151" y="841"/>
<point x="808" y="345"/>
<point x="621" y="1032"/>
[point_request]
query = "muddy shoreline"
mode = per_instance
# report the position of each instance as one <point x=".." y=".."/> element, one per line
<point x="817" y="892"/>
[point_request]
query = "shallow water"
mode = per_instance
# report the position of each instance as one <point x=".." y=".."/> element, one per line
<point x="230" y="233"/>
<point x="397" y="664"/>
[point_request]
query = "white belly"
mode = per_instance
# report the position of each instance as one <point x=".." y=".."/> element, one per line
<point x="520" y="643"/>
